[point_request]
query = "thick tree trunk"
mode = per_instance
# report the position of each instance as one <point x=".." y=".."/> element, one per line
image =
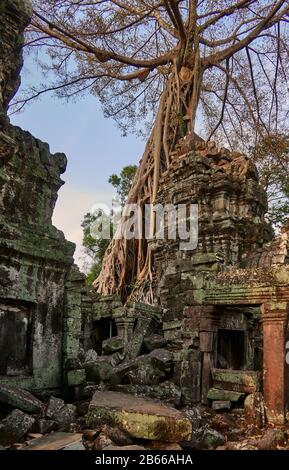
<point x="127" y="265"/>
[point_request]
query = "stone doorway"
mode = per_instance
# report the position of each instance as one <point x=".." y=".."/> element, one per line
<point x="15" y="338"/>
<point x="102" y="329"/>
<point x="231" y="349"/>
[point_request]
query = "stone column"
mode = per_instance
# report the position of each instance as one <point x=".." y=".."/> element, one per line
<point x="75" y="284"/>
<point x="208" y="328"/>
<point x="125" y="327"/>
<point x="274" y="317"/>
<point x="145" y="325"/>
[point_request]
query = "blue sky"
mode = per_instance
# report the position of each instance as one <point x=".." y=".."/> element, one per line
<point x="94" y="147"/>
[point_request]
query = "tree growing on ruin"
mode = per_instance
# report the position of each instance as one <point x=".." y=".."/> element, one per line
<point x="94" y="244"/>
<point x="170" y="61"/>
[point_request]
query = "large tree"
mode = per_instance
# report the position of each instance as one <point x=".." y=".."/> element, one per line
<point x="170" y="59"/>
<point x="95" y="245"/>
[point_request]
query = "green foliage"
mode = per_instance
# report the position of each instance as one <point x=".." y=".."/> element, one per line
<point x="123" y="182"/>
<point x="95" y="246"/>
<point x="271" y="156"/>
<point x="93" y="273"/>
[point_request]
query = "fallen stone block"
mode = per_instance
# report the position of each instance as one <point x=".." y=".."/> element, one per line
<point x="44" y="426"/>
<point x="20" y="399"/>
<point x="90" y="356"/>
<point x="167" y="392"/>
<point x="139" y="417"/>
<point x="65" y="416"/>
<point x="54" y="441"/>
<point x="99" y="370"/>
<point x="221" y="405"/>
<point x="147" y="320"/>
<point x="146" y="374"/>
<point x="74" y="446"/>
<point x="224" y="395"/>
<point x="161" y="358"/>
<point x="14" y="427"/>
<point x="238" y="380"/>
<point x="213" y="439"/>
<point x="155" y="342"/>
<point x="112" y="345"/>
<point x="61" y="413"/>
<point x="53" y="407"/>
<point x="149" y="369"/>
<point x="120" y="372"/>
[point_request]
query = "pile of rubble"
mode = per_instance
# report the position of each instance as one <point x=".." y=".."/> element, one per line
<point x="132" y="403"/>
<point x="110" y="419"/>
<point x="119" y="421"/>
<point x="118" y="370"/>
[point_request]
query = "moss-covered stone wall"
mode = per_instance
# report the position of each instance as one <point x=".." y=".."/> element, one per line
<point x="34" y="256"/>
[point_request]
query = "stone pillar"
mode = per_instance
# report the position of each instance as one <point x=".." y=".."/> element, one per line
<point x="274" y="361"/>
<point x="124" y="327"/>
<point x="147" y="320"/>
<point x="208" y="328"/>
<point x="74" y="373"/>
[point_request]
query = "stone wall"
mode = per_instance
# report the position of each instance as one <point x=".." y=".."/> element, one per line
<point x="215" y="298"/>
<point x="91" y="319"/>
<point x="34" y="256"/>
<point x="231" y="204"/>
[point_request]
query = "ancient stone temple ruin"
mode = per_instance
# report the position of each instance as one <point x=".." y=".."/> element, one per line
<point x="219" y="328"/>
<point x="34" y="256"/>
<point x="225" y="304"/>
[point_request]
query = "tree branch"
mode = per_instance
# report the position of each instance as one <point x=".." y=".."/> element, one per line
<point x="101" y="55"/>
<point x="267" y="22"/>
<point x="224" y="102"/>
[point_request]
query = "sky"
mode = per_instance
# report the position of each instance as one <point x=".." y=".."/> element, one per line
<point x="93" y="145"/>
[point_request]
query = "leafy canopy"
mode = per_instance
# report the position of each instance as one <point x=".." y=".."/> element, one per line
<point x="123" y="51"/>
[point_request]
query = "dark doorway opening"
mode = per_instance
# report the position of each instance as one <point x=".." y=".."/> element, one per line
<point x="15" y="338"/>
<point x="102" y="329"/>
<point x="231" y="349"/>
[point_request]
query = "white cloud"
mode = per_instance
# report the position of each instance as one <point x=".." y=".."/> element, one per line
<point x="70" y="208"/>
